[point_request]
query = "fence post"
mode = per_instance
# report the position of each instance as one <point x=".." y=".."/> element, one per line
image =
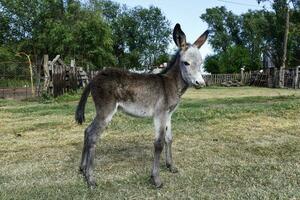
<point x="73" y="68"/>
<point x="281" y="77"/>
<point x="242" y="75"/>
<point x="297" y="78"/>
<point x="46" y="72"/>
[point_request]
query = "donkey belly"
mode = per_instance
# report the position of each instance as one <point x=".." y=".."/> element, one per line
<point x="136" y="110"/>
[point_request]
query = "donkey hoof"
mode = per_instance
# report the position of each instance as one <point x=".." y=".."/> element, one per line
<point x="160" y="185"/>
<point x="81" y="170"/>
<point x="172" y="169"/>
<point x="156" y="182"/>
<point x="92" y="184"/>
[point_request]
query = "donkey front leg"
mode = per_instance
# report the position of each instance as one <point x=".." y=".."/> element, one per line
<point x="160" y="130"/>
<point x="168" y="148"/>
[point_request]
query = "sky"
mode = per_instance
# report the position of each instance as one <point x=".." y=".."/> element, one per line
<point x="187" y="12"/>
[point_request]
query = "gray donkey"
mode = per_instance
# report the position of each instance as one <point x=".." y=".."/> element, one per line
<point x="142" y="95"/>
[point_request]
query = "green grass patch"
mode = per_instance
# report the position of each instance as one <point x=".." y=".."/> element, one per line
<point x="229" y="143"/>
<point x="12" y="83"/>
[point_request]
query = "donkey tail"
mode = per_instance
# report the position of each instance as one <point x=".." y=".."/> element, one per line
<point x="79" y="114"/>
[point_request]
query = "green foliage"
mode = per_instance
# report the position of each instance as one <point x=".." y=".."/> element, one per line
<point x="211" y="64"/>
<point x="232" y="41"/>
<point x="294" y="38"/>
<point x="97" y="33"/>
<point x="55" y="27"/>
<point x="234" y="59"/>
<point x="230" y="61"/>
<point x="258" y="31"/>
<point x="70" y="96"/>
<point x="276" y="29"/>
<point x="163" y="58"/>
<point x="141" y="35"/>
<point x="224" y="26"/>
<point x="12" y="83"/>
<point x="254" y="27"/>
<point x="6" y="53"/>
<point x="148" y="33"/>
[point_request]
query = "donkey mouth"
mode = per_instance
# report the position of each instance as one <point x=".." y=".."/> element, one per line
<point x="198" y="86"/>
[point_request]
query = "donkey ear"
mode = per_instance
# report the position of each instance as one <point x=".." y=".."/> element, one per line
<point x="179" y="37"/>
<point x="200" y="41"/>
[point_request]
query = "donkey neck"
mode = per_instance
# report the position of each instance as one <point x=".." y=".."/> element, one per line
<point x="175" y="77"/>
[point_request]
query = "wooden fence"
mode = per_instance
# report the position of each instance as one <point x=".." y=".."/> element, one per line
<point x="260" y="78"/>
<point x="218" y="79"/>
<point x="63" y="78"/>
<point x="57" y="77"/>
<point x="270" y="78"/>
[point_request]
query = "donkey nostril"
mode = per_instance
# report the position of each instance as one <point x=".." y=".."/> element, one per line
<point x="197" y="83"/>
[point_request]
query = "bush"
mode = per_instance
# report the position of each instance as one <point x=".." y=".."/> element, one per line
<point x="230" y="61"/>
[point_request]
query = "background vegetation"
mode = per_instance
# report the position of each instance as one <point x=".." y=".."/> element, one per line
<point x="242" y="40"/>
<point x="97" y="33"/>
<point x="102" y="33"/>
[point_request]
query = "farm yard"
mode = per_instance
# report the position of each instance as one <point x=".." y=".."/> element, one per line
<point x="229" y="143"/>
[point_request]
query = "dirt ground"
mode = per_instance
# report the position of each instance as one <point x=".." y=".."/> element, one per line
<point x="15" y="93"/>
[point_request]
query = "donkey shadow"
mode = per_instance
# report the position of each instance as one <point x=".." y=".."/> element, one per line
<point x="116" y="151"/>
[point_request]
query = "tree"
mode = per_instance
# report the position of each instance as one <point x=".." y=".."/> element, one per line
<point x="294" y="38"/>
<point x="230" y="61"/>
<point x="141" y="35"/>
<point x="59" y="27"/>
<point x="4" y="31"/>
<point x="277" y="23"/>
<point x="149" y="33"/>
<point x="254" y="27"/>
<point x="259" y="32"/>
<point x="98" y="33"/>
<point x="232" y="41"/>
<point x="224" y="26"/>
<point x="211" y="64"/>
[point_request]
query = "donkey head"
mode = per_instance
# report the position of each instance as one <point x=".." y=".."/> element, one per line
<point x="190" y="57"/>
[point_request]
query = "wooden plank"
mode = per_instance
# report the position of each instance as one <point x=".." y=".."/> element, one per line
<point x="296" y="85"/>
<point x="73" y="68"/>
<point x="55" y="60"/>
<point x="60" y="61"/>
<point x="46" y="72"/>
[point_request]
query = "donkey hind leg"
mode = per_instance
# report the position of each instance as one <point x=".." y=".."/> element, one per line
<point x="168" y="149"/>
<point x="92" y="134"/>
<point x="82" y="167"/>
<point x="160" y="130"/>
<point x="92" y="129"/>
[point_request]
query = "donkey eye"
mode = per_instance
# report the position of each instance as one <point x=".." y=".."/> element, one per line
<point x="186" y="63"/>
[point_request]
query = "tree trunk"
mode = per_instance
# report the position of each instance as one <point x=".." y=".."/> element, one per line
<point x="282" y="68"/>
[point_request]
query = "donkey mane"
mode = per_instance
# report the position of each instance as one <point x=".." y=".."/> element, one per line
<point x="171" y="63"/>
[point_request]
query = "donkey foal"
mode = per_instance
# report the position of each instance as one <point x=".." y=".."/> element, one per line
<point x="142" y="95"/>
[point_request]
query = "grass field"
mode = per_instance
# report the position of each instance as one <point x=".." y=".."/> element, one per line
<point x="229" y="143"/>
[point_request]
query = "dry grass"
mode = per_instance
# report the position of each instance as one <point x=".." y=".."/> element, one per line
<point x="230" y="143"/>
